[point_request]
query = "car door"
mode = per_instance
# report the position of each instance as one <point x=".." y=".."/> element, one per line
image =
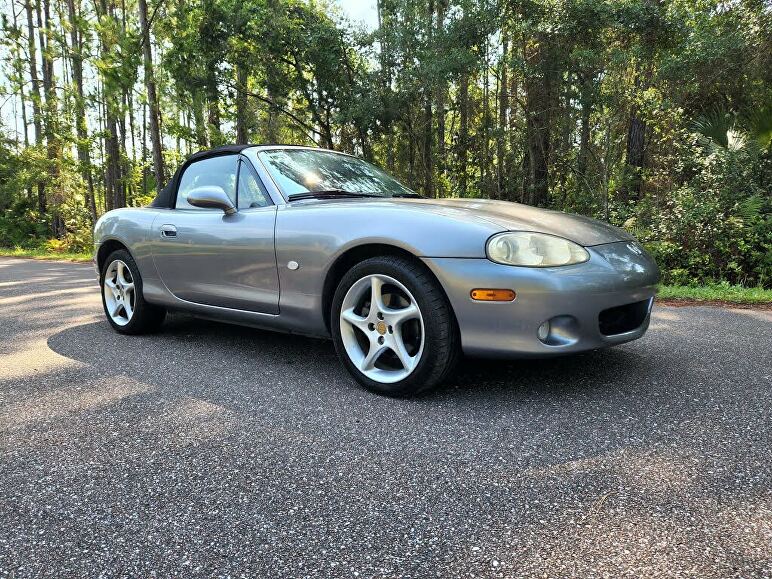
<point x="207" y="257"/>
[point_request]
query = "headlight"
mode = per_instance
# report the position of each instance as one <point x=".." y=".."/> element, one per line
<point x="534" y="250"/>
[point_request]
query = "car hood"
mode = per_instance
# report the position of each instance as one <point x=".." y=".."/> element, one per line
<point x="517" y="217"/>
<point x="495" y="216"/>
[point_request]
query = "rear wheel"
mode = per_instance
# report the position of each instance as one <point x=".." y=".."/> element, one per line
<point x="393" y="327"/>
<point x="122" y="299"/>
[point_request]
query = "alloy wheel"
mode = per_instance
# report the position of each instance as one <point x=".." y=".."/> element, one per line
<point x="119" y="294"/>
<point x="382" y="328"/>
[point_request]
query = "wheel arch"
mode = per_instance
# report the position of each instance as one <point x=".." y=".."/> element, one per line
<point x="354" y="255"/>
<point x="107" y="247"/>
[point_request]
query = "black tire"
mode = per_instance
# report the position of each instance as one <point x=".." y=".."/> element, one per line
<point x="441" y="338"/>
<point x="147" y="317"/>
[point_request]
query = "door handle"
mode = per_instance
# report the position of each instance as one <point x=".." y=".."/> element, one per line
<point x="168" y="231"/>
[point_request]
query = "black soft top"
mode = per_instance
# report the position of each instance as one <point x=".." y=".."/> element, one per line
<point x="166" y="197"/>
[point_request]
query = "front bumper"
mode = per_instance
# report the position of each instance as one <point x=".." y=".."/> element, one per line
<point x="571" y="298"/>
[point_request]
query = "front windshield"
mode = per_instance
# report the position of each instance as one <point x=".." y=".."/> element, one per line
<point x="298" y="171"/>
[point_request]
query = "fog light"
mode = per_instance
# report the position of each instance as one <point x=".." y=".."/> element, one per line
<point x="543" y="331"/>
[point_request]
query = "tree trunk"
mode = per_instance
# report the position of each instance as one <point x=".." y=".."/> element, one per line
<point x="525" y="169"/>
<point x="241" y="105"/>
<point x="132" y="124"/>
<point x="126" y="184"/>
<point x="501" y="151"/>
<point x="463" y="132"/>
<point x="635" y="158"/>
<point x="198" y="115"/>
<point x="514" y="143"/>
<point x="18" y="68"/>
<point x="385" y="61"/>
<point x="51" y="116"/>
<point x="272" y="73"/>
<point x="114" y="197"/>
<point x="36" y="99"/>
<point x="113" y="190"/>
<point x="411" y="152"/>
<point x="428" y="166"/>
<point x="541" y="94"/>
<point x="584" y="136"/>
<point x="152" y="98"/>
<point x="441" y="95"/>
<point x="440" y="162"/>
<point x="485" y="154"/>
<point x="213" y="104"/>
<point x="24" y="120"/>
<point x="428" y="117"/>
<point x="81" y="128"/>
<point x="144" y="149"/>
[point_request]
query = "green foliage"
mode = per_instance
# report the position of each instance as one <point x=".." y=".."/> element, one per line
<point x="21" y="225"/>
<point x="758" y="123"/>
<point x="717" y="222"/>
<point x="78" y="235"/>
<point x="717" y="126"/>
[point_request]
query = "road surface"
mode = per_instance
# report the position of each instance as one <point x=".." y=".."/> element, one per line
<point x="214" y="450"/>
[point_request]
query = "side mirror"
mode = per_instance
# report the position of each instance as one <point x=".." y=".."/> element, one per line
<point x="211" y="197"/>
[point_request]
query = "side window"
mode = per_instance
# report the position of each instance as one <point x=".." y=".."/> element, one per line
<point x="217" y="171"/>
<point x="251" y="191"/>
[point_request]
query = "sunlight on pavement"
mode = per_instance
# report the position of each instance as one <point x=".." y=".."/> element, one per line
<point x="629" y="468"/>
<point x="30" y="358"/>
<point x="70" y="400"/>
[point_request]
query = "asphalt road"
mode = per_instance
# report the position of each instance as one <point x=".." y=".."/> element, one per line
<point x="215" y="450"/>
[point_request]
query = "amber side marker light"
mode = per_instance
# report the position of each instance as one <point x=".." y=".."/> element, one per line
<point x="492" y="295"/>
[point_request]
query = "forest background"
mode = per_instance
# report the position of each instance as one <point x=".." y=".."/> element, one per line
<point x="653" y="115"/>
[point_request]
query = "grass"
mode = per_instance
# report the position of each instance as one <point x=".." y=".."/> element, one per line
<point x="44" y="254"/>
<point x="733" y="294"/>
<point x="730" y="294"/>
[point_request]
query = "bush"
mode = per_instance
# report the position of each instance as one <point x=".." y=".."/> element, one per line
<point x="715" y="225"/>
<point x="22" y="226"/>
<point x="79" y="235"/>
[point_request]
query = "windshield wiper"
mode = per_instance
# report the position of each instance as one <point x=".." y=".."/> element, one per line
<point x="329" y="194"/>
<point x="342" y="194"/>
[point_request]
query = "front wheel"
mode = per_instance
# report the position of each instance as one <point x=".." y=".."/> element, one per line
<point x="122" y="299"/>
<point x="393" y="327"/>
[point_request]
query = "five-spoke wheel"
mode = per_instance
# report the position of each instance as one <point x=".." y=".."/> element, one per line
<point x="118" y="289"/>
<point x="382" y="328"/>
<point x="125" y="306"/>
<point x="393" y="327"/>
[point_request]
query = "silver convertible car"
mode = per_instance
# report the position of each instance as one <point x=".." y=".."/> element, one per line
<point x="320" y="243"/>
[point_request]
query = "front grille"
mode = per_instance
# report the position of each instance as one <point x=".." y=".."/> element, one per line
<point x="623" y="319"/>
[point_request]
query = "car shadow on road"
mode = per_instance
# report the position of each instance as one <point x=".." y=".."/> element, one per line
<point x="201" y="348"/>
